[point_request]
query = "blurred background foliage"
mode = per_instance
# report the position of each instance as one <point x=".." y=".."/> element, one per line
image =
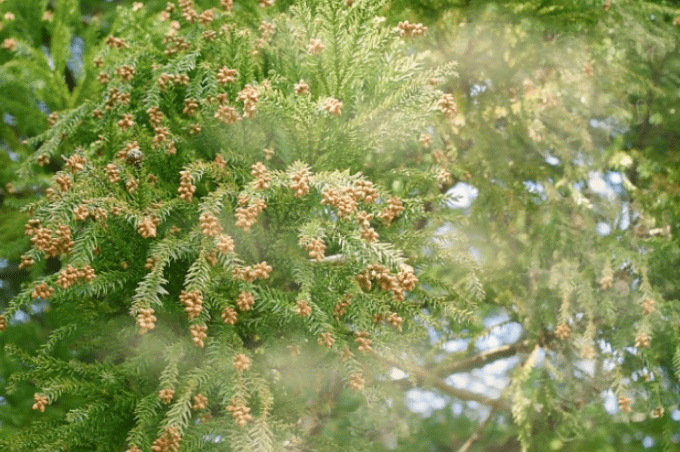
<point x="608" y="70"/>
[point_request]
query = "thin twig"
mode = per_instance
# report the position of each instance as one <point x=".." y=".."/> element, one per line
<point x="477" y="434"/>
<point x="333" y="259"/>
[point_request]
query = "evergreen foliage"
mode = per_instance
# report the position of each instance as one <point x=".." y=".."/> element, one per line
<point x="226" y="189"/>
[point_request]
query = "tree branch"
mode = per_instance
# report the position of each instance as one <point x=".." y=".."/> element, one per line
<point x="481" y="359"/>
<point x="477" y="434"/>
<point x="424" y="377"/>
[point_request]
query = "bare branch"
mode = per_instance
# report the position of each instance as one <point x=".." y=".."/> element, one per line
<point x="478" y="433"/>
<point x="333" y="259"/>
<point x="481" y="359"/>
<point x="426" y="378"/>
